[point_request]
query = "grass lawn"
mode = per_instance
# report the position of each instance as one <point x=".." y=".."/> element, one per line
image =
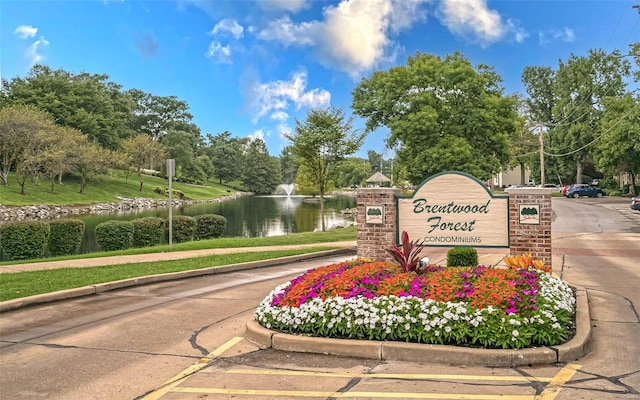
<point x="101" y="189"/>
<point x="23" y="284"/>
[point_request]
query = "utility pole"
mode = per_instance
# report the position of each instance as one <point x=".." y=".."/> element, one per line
<point x="541" y="154"/>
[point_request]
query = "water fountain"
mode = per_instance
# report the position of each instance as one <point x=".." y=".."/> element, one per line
<point x="285" y="188"/>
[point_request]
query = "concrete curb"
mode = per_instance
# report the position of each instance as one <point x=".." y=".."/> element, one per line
<point x="15" y="304"/>
<point x="574" y="349"/>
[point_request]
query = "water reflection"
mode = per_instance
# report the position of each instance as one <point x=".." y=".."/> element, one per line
<point x="247" y="216"/>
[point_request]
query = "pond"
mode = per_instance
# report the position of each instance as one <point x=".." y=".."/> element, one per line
<point x="247" y="216"/>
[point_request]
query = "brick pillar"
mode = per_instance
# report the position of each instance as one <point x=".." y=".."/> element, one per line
<point x="375" y="237"/>
<point x="530" y="223"/>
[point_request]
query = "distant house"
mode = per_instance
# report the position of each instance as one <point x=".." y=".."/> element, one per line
<point x="512" y="177"/>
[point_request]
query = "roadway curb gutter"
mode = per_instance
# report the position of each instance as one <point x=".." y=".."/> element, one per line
<point x="574" y="349"/>
<point x="15" y="304"/>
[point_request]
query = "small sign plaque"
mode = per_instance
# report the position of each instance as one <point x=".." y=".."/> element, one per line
<point x="529" y="214"/>
<point x="374" y="214"/>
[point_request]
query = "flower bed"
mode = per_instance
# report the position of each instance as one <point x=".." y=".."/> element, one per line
<point x="469" y="306"/>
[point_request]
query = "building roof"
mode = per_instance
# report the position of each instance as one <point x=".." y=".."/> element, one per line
<point x="378" y="178"/>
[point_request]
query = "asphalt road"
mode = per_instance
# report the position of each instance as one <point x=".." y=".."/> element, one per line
<point x="136" y="342"/>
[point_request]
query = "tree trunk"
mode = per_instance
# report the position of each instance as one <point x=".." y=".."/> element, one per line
<point x="522" y="182"/>
<point x="3" y="177"/>
<point x="83" y="184"/>
<point x="322" y="210"/>
<point x="53" y="182"/>
<point x="633" y="187"/>
<point x="579" y="172"/>
<point x="141" y="183"/>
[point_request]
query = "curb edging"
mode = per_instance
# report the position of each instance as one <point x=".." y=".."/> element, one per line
<point x="15" y="304"/>
<point x="574" y="349"/>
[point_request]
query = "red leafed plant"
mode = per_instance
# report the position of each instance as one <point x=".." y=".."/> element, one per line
<point x="407" y="255"/>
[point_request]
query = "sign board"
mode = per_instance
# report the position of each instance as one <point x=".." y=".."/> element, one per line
<point x="374" y="214"/>
<point x="529" y="214"/>
<point x="454" y="209"/>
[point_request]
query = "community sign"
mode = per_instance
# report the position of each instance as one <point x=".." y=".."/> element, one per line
<point x="454" y="209"/>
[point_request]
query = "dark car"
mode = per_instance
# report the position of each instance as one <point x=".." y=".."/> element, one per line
<point x="579" y="190"/>
<point x="635" y="203"/>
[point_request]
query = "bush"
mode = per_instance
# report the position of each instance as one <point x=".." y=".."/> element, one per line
<point x="462" y="257"/>
<point x="24" y="240"/>
<point x="114" y="235"/>
<point x="66" y="237"/>
<point x="184" y="228"/>
<point x="147" y="231"/>
<point x="210" y="226"/>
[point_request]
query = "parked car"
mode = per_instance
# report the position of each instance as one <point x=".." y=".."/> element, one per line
<point x="635" y="203"/>
<point x="564" y="189"/>
<point x="579" y="190"/>
<point x="552" y="186"/>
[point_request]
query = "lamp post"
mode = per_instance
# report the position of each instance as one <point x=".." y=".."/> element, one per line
<point x="171" y="170"/>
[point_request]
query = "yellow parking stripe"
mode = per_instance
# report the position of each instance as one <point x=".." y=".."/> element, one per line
<point x="554" y="387"/>
<point x="347" y="395"/>
<point x="276" y="372"/>
<point x="182" y="376"/>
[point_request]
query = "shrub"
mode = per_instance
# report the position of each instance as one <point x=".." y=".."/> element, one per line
<point x="408" y="256"/>
<point x="66" y="237"/>
<point x="210" y="226"/>
<point x="114" y="235"/>
<point x="184" y="228"/>
<point x="462" y="257"/>
<point x="24" y="240"/>
<point x="147" y="231"/>
<point x="159" y="190"/>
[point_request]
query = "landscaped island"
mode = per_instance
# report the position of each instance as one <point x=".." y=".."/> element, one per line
<point x="516" y="307"/>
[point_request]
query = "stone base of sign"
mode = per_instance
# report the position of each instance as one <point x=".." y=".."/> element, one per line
<point x="529" y="222"/>
<point x="530" y="233"/>
<point x="374" y="238"/>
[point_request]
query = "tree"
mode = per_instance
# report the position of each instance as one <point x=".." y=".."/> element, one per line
<point x="261" y="172"/>
<point x="92" y="159"/>
<point x="143" y="152"/>
<point x="320" y="142"/>
<point x="226" y="154"/>
<point x="568" y="103"/>
<point x="305" y="183"/>
<point x="59" y="147"/>
<point x="288" y="166"/>
<point x="443" y="114"/>
<point x="90" y="103"/>
<point x="618" y="148"/>
<point x="157" y="115"/>
<point x="352" y="171"/>
<point x="19" y="124"/>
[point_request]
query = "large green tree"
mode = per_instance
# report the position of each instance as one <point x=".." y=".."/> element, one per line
<point x="443" y="114"/>
<point x="226" y="154"/>
<point x="618" y="149"/>
<point x="352" y="171"/>
<point x="90" y="103"/>
<point x="261" y="172"/>
<point x="288" y="166"/>
<point x="158" y="115"/>
<point x="322" y="141"/>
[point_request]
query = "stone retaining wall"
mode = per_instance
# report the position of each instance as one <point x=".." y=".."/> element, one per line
<point x="125" y="205"/>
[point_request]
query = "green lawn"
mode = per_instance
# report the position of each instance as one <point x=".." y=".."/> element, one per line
<point x="23" y="284"/>
<point x="101" y="189"/>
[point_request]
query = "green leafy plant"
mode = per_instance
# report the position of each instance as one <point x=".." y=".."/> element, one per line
<point x="66" y="237"/>
<point x="24" y="240"/>
<point x="408" y="256"/>
<point x="148" y="231"/>
<point x="184" y="228"/>
<point x="210" y="226"/>
<point x="114" y="235"/>
<point x="462" y="257"/>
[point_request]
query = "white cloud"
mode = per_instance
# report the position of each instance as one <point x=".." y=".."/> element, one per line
<point x="257" y="134"/>
<point x="228" y="26"/>
<point x="283" y="5"/>
<point x="280" y="116"/>
<point x="472" y="19"/>
<point x="219" y="53"/>
<point x="274" y="98"/>
<point x="33" y="52"/>
<point x="475" y="21"/>
<point x="552" y="35"/>
<point x="354" y="35"/>
<point x="287" y="32"/>
<point x="25" y="31"/>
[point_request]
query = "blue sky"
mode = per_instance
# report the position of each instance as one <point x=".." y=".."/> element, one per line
<point x="252" y="67"/>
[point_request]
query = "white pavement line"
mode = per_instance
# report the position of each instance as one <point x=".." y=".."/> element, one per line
<point x="182" y="376"/>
